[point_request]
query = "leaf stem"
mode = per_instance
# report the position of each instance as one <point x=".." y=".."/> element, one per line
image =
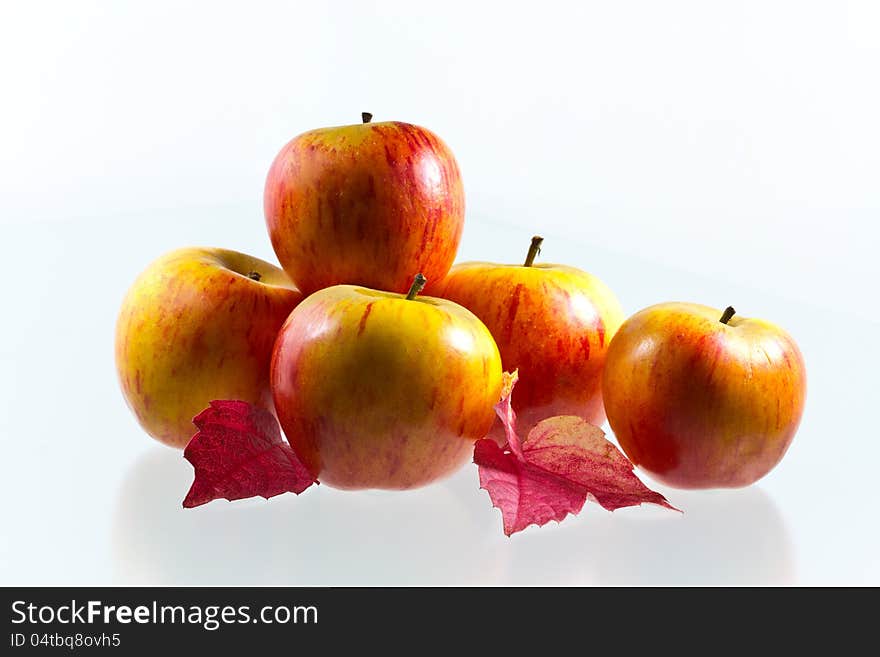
<point x="728" y="313"/>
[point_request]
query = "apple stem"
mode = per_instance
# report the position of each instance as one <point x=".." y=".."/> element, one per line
<point x="416" y="287"/>
<point x="728" y="313"/>
<point x="254" y="275"/>
<point x="534" y="250"/>
<point x="366" y="117"/>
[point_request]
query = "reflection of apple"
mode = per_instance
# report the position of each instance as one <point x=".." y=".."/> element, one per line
<point x="324" y="537"/>
<point x="369" y="204"/>
<point x="551" y="322"/>
<point x="724" y="538"/>
<point x="703" y="399"/>
<point x="383" y="390"/>
<point x="199" y="324"/>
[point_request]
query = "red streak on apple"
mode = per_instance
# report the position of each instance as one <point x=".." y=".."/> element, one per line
<point x="368" y="204"/>
<point x="698" y="403"/>
<point x="374" y="390"/>
<point x="550" y="323"/>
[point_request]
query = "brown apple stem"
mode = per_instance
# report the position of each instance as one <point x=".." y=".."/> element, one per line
<point x="254" y="275"/>
<point x="728" y="313"/>
<point x="416" y="287"/>
<point x="534" y="250"/>
<point x="366" y="117"/>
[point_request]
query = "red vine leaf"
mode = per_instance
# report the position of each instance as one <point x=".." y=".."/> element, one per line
<point x="564" y="461"/>
<point x="238" y="452"/>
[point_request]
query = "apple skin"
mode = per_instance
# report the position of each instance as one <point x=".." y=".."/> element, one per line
<point x="697" y="403"/>
<point x="369" y="204"/>
<point x="193" y="328"/>
<point x="551" y="322"/>
<point x="374" y="390"/>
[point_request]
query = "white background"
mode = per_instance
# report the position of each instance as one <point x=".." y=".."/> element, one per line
<point x="724" y="153"/>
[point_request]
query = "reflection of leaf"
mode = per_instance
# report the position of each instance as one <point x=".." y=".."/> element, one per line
<point x="564" y="460"/>
<point x="238" y="452"/>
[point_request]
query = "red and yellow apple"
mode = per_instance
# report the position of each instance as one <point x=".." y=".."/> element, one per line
<point x="199" y="324"/>
<point x="700" y="398"/>
<point x="369" y="204"/>
<point x="383" y="390"/>
<point x="553" y="323"/>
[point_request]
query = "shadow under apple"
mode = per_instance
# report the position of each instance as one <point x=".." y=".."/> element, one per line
<point x="322" y="537"/>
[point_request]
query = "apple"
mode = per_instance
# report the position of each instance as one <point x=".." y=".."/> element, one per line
<point x="551" y="322"/>
<point x="199" y="324"/>
<point x="700" y="398"/>
<point x="378" y="389"/>
<point x="369" y="204"/>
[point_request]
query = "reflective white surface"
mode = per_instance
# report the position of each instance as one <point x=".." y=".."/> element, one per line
<point x="721" y="154"/>
<point x="88" y="498"/>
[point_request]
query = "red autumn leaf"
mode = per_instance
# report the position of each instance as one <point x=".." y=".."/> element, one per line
<point x="564" y="461"/>
<point x="238" y="452"/>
